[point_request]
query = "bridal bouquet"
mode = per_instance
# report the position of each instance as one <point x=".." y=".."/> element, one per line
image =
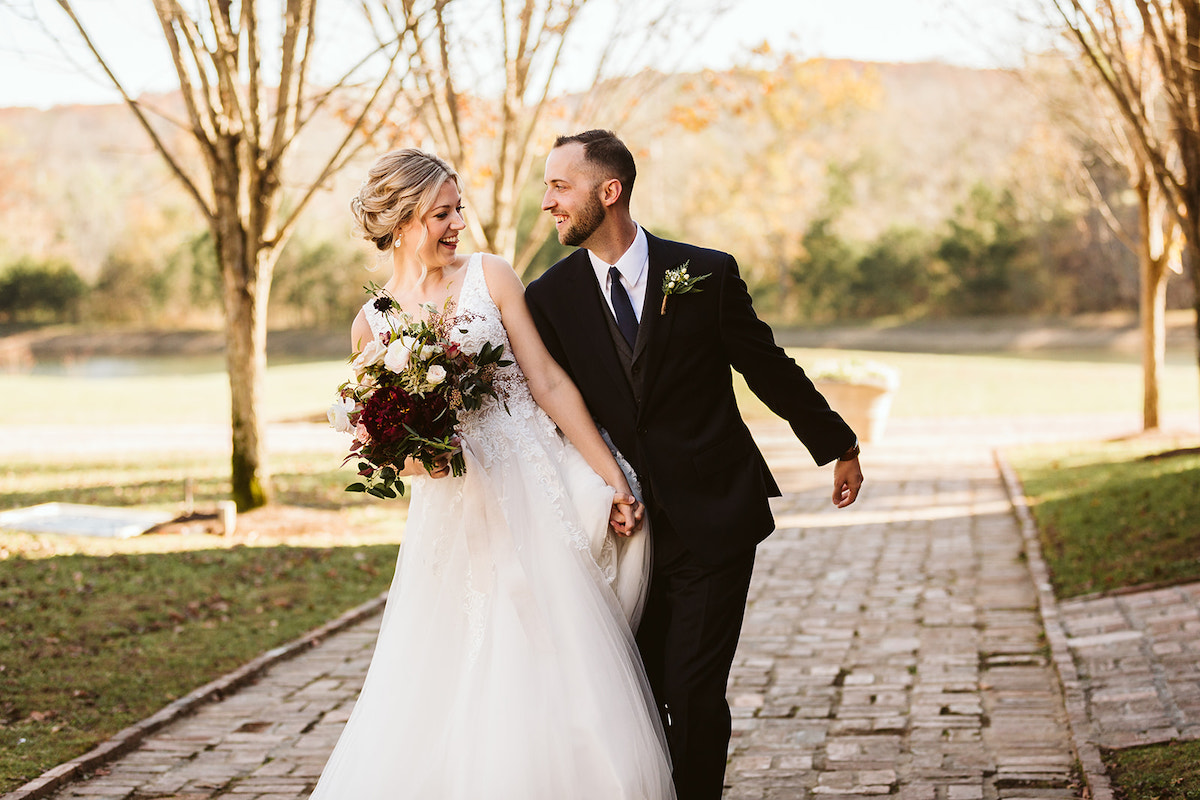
<point x="409" y="386"/>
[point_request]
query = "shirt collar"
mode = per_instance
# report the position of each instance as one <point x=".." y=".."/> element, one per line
<point x="632" y="263"/>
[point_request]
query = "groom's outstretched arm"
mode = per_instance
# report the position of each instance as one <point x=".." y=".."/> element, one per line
<point x="774" y="376"/>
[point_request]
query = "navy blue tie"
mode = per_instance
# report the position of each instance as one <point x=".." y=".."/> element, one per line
<point x="626" y="319"/>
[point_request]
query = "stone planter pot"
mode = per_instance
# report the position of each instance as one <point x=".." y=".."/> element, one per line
<point x="864" y="406"/>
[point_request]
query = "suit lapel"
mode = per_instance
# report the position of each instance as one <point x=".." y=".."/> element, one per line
<point x="655" y="329"/>
<point x="650" y="306"/>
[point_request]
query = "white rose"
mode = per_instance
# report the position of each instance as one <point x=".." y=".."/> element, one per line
<point x="436" y="374"/>
<point x="396" y="358"/>
<point x="339" y="414"/>
<point x="372" y="353"/>
<point x="413" y="345"/>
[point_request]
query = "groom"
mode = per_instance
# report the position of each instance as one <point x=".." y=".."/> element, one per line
<point x="653" y="362"/>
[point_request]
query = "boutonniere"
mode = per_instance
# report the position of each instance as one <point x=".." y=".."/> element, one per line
<point x="677" y="281"/>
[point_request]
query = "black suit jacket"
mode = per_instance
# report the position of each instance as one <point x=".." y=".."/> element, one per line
<point x="686" y="439"/>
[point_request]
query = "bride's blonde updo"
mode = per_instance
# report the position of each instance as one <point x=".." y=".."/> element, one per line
<point x="401" y="186"/>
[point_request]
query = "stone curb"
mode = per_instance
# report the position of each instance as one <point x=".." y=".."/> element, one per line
<point x="1095" y="774"/>
<point x="129" y="738"/>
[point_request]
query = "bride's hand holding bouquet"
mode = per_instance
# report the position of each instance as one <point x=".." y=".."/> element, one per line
<point x="410" y="384"/>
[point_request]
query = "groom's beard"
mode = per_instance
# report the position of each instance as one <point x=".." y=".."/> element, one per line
<point x="590" y="218"/>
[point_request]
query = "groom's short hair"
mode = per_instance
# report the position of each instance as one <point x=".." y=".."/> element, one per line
<point x="608" y="155"/>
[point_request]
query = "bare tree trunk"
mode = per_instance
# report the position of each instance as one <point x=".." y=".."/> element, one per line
<point x="245" y="348"/>
<point x="1191" y="262"/>
<point x="1169" y="31"/>
<point x="1154" y="337"/>
<point x="1153" y="299"/>
<point x="1188" y="135"/>
<point x="246" y="280"/>
<point x="1153" y="309"/>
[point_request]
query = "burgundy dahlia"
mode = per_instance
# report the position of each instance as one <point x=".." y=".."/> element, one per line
<point x="389" y="409"/>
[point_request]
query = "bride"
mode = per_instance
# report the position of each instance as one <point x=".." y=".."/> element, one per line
<point x="506" y="665"/>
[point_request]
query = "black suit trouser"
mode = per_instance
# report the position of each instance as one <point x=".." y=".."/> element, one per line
<point x="688" y="634"/>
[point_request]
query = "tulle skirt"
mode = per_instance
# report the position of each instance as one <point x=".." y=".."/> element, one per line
<point x="506" y="666"/>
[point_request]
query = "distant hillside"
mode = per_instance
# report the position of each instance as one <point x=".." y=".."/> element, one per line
<point x="78" y="181"/>
<point x="913" y="152"/>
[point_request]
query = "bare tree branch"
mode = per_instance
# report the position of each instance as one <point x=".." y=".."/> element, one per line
<point x="172" y="162"/>
<point x="244" y="133"/>
<point x="340" y="157"/>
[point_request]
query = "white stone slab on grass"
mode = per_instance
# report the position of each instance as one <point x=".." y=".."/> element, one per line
<point x="76" y="519"/>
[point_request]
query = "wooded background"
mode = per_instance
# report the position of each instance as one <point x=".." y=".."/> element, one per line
<point x="846" y="190"/>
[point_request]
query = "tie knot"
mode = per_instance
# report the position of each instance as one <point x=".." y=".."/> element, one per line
<point x="614" y="274"/>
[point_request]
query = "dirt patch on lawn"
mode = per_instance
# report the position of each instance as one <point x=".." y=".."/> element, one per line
<point x="273" y="522"/>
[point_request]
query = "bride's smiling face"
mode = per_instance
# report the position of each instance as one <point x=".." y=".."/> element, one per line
<point x="434" y="238"/>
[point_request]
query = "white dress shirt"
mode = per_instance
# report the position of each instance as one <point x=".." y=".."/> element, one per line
<point x="634" y="265"/>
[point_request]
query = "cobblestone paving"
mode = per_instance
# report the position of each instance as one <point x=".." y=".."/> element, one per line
<point x="895" y="647"/>
<point x="891" y="648"/>
<point x="1138" y="656"/>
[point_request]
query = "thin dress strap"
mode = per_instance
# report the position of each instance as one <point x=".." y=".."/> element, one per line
<point x="473" y="284"/>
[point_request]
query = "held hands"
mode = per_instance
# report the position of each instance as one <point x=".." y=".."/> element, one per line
<point x="625" y="516"/>
<point x="441" y="464"/>
<point x="847" y="481"/>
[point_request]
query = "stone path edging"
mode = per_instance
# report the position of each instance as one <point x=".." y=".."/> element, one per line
<point x="1095" y="774"/>
<point x="129" y="738"/>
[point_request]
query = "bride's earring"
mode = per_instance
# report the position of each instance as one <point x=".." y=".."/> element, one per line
<point x="398" y="240"/>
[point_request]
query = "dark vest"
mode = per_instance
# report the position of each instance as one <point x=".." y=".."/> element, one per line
<point x="625" y="354"/>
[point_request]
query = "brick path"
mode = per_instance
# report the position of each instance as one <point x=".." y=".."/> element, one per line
<point x="895" y="647"/>
<point x="1139" y="655"/>
<point x="891" y="648"/>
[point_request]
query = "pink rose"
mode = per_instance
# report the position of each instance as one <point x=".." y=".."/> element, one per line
<point x="360" y="433"/>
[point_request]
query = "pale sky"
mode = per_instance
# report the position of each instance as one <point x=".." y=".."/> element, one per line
<point x="979" y="33"/>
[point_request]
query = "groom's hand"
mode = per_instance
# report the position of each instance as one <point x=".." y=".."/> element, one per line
<point x="847" y="481"/>
<point x="625" y="516"/>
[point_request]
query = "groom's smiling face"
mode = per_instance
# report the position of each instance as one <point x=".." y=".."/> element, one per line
<point x="572" y="195"/>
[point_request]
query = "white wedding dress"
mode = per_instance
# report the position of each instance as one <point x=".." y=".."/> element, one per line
<point x="506" y="668"/>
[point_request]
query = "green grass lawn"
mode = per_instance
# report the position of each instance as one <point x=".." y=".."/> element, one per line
<point x="96" y="634"/>
<point x="293" y="391"/>
<point x="990" y="385"/>
<point x="1114" y="514"/>
<point x="90" y="644"/>
<point x="314" y="480"/>
<point x="1159" y="772"/>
